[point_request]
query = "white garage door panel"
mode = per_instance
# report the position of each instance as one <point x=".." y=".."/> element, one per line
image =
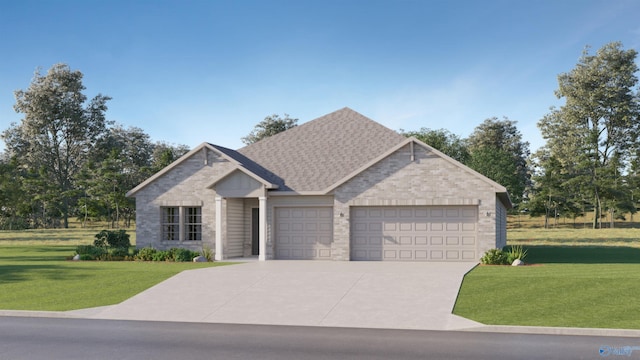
<point x="425" y="233"/>
<point x="303" y="233"/>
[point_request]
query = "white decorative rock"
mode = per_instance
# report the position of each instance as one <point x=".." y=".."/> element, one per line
<point x="76" y="257"/>
<point x="517" y="262"/>
<point x="199" y="259"/>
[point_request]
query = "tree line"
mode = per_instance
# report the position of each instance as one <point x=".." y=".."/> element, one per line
<point x="591" y="158"/>
<point x="65" y="159"/>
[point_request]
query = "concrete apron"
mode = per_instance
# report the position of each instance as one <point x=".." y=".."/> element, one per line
<point x="391" y="295"/>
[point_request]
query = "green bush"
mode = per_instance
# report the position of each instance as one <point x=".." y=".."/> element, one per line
<point x="516" y="252"/>
<point x="116" y="239"/>
<point x="145" y="254"/>
<point x="111" y="257"/>
<point x="160" y="256"/>
<point x="494" y="257"/>
<point x="90" y="252"/>
<point x="173" y="254"/>
<point x="119" y="252"/>
<point x="181" y="255"/>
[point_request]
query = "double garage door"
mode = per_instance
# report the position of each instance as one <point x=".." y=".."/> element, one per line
<point x="403" y="233"/>
<point x="429" y="233"/>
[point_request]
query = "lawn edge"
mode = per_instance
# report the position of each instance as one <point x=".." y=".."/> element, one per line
<point x="545" y="330"/>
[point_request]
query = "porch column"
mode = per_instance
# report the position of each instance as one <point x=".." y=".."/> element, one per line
<point x="262" y="228"/>
<point x="218" y="255"/>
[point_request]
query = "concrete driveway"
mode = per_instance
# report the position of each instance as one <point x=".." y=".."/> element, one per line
<point x="309" y="293"/>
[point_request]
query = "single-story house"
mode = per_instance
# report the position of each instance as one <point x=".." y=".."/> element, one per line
<point x="340" y="187"/>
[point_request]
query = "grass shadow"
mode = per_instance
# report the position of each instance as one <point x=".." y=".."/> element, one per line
<point x="545" y="254"/>
<point x="26" y="272"/>
<point x="26" y="254"/>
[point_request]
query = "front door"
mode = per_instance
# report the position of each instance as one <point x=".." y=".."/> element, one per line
<point x="255" y="231"/>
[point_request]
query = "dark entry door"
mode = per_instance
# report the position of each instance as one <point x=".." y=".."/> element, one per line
<point x="255" y="231"/>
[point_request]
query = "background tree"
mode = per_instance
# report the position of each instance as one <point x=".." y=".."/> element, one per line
<point x="552" y="194"/>
<point x="594" y="133"/>
<point x="164" y="154"/>
<point x="57" y="132"/>
<point x="498" y="152"/>
<point x="270" y="126"/>
<point x="442" y="140"/>
<point x="15" y="205"/>
<point x="120" y="161"/>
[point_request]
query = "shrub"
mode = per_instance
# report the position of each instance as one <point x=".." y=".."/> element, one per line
<point x="145" y="254"/>
<point x="119" y="252"/>
<point x="111" y="257"/>
<point x="117" y="239"/>
<point x="494" y="257"/>
<point x="160" y="256"/>
<point x="90" y="252"/>
<point x="181" y="255"/>
<point x="516" y="252"/>
<point x="207" y="253"/>
<point x="173" y="254"/>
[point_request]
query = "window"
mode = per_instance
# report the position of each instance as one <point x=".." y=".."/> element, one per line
<point x="170" y="223"/>
<point x="181" y="223"/>
<point x="193" y="223"/>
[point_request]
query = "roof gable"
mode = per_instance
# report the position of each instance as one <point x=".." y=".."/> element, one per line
<point x="317" y="154"/>
<point x="241" y="163"/>
<point x="252" y="167"/>
<point x="238" y="183"/>
<point x="500" y="190"/>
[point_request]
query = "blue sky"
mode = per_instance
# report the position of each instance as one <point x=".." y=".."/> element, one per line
<point x="190" y="71"/>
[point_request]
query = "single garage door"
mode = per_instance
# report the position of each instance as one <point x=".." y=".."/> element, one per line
<point x="414" y="233"/>
<point x="304" y="233"/>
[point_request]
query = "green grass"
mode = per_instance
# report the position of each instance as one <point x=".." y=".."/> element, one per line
<point x="39" y="278"/>
<point x="569" y="286"/>
<point x="75" y="235"/>
<point x="575" y="237"/>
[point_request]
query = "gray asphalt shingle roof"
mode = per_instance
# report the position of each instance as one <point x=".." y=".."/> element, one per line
<point x="317" y="154"/>
<point x="251" y="166"/>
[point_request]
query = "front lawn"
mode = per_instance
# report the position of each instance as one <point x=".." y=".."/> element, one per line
<point x="593" y="286"/>
<point x="38" y="277"/>
<point x="74" y="235"/>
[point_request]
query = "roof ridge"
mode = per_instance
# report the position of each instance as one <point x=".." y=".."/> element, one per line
<point x="314" y="155"/>
<point x="345" y="109"/>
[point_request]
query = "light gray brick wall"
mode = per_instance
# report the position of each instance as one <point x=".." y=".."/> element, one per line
<point x="428" y="180"/>
<point x="184" y="185"/>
